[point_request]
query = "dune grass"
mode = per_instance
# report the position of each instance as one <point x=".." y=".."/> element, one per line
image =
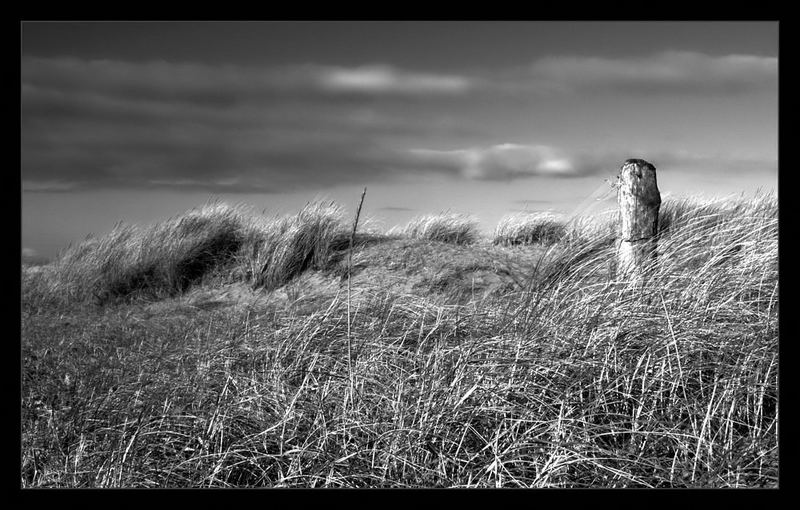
<point x="156" y="261"/>
<point x="603" y="227"/>
<point x="529" y="228"/>
<point x="578" y="379"/>
<point x="279" y="249"/>
<point x="445" y="227"/>
<point x="216" y="240"/>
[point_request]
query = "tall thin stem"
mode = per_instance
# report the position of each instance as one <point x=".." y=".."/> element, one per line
<point x="349" y="274"/>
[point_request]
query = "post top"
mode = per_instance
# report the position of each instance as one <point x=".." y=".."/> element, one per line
<point x="639" y="162"/>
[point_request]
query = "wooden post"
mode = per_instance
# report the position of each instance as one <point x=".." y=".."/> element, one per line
<point x="639" y="202"/>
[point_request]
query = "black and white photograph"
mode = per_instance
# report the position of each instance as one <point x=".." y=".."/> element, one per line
<point x="399" y="254"/>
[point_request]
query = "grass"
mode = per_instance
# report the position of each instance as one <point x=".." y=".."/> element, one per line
<point x="444" y="227"/>
<point x="568" y="378"/>
<point x="529" y="228"/>
<point x="158" y="261"/>
<point x="168" y="258"/>
<point x="278" y="250"/>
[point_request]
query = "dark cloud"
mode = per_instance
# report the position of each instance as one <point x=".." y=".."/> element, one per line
<point x="227" y="85"/>
<point x="105" y="123"/>
<point x="120" y="124"/>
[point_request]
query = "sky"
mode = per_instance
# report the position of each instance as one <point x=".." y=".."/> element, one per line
<point x="141" y="121"/>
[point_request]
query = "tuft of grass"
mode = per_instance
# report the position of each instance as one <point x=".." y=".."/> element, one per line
<point x="279" y="249"/>
<point x="165" y="259"/>
<point x="160" y="260"/>
<point x="683" y="212"/>
<point x="445" y="227"/>
<point x="529" y="228"/>
<point x="583" y="229"/>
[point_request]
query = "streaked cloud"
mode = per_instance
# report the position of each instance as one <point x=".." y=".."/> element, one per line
<point x="225" y="128"/>
<point x="669" y="71"/>
<point x="230" y="84"/>
<point x="728" y="163"/>
<point x="380" y="79"/>
<point x="509" y="161"/>
<point x="104" y="123"/>
<point x="500" y="162"/>
<point x="47" y="186"/>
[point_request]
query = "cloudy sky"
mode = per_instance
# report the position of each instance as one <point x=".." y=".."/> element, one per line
<point x="141" y="121"/>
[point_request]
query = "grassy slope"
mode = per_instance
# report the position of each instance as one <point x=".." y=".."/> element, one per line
<point x="472" y="364"/>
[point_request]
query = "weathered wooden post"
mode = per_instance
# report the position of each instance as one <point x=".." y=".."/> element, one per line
<point x="639" y="202"/>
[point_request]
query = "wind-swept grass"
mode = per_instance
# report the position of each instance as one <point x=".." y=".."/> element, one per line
<point x="157" y="261"/>
<point x="445" y="227"/>
<point x="677" y="213"/>
<point x="529" y="228"/>
<point x="279" y="249"/>
<point x="166" y="258"/>
<point x="579" y="379"/>
<point x="603" y="227"/>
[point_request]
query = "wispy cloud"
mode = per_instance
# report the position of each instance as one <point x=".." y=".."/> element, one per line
<point x="500" y="162"/>
<point x="509" y="161"/>
<point x="728" y="163"/>
<point x="382" y="79"/>
<point x="229" y="84"/>
<point x="90" y="123"/>
<point x="48" y="186"/>
<point x="665" y="72"/>
<point x="110" y="123"/>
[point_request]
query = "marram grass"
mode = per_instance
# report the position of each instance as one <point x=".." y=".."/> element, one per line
<point x="159" y="260"/>
<point x="167" y="258"/>
<point x="445" y="227"/>
<point x="529" y="228"/>
<point x="279" y="249"/>
<point x="575" y="379"/>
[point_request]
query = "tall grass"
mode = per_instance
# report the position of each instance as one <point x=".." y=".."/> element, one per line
<point x="445" y="227"/>
<point x="529" y="228"/>
<point x="581" y="379"/>
<point x="279" y="249"/>
<point x="676" y="213"/>
<point x="160" y="260"/>
<point x="687" y="375"/>
<point x="166" y="258"/>
<point x="592" y="229"/>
